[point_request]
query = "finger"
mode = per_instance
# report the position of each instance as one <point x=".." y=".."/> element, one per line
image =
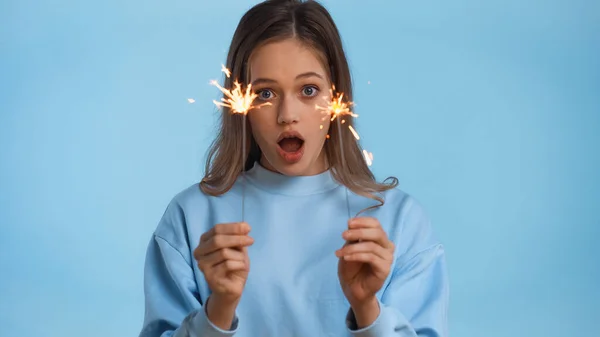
<point x="222" y="241"/>
<point x="367" y="234"/>
<point x="365" y="247"/>
<point x="363" y="222"/>
<point x="221" y="255"/>
<point x="380" y="266"/>
<point x="233" y="228"/>
<point x="229" y="266"/>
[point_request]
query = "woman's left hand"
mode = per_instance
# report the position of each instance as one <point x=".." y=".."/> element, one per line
<point x="365" y="261"/>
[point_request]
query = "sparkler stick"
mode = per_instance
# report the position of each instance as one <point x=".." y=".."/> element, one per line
<point x="343" y="163"/>
<point x="335" y="108"/>
<point x="238" y="101"/>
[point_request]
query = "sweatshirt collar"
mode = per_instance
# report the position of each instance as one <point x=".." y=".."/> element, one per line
<point x="277" y="183"/>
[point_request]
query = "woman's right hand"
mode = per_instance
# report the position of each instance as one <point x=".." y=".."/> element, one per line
<point x="223" y="259"/>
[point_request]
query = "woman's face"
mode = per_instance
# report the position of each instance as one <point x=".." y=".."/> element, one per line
<point x="289" y="76"/>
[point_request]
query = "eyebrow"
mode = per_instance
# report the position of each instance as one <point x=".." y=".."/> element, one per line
<point x="303" y="75"/>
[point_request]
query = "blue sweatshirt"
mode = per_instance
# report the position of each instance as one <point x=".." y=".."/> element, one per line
<point x="292" y="287"/>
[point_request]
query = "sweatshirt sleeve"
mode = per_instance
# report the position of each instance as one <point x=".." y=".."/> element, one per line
<point x="172" y="302"/>
<point x="415" y="301"/>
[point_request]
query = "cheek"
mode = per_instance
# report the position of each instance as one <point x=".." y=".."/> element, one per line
<point x="326" y="124"/>
<point x="260" y="122"/>
<point x="317" y="118"/>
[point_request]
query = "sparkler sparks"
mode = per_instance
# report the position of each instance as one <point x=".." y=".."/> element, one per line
<point x="225" y="70"/>
<point x="237" y="99"/>
<point x="336" y="106"/>
<point x="353" y="132"/>
<point x="368" y="157"/>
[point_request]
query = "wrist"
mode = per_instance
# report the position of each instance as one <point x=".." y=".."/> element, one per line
<point x="221" y="311"/>
<point x="366" y="312"/>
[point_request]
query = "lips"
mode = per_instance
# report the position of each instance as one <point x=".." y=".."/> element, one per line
<point x="290" y="146"/>
<point x="289" y="134"/>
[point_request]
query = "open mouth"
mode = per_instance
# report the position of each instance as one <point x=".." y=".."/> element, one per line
<point x="290" y="147"/>
<point x="290" y="142"/>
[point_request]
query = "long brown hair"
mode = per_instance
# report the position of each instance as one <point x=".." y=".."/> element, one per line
<point x="310" y="23"/>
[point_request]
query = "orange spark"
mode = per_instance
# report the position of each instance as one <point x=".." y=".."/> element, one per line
<point x="236" y="99"/>
<point x="336" y="106"/>
<point x="354" y="132"/>
<point x="225" y="70"/>
<point x="368" y="157"/>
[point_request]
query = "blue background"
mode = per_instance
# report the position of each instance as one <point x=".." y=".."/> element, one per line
<point x="487" y="111"/>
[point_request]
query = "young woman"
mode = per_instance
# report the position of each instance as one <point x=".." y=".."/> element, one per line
<point x="296" y="265"/>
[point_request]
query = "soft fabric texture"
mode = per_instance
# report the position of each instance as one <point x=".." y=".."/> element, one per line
<point x="293" y="288"/>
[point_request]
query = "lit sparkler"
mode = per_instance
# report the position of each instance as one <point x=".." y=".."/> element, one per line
<point x="336" y="107"/>
<point x="239" y="101"/>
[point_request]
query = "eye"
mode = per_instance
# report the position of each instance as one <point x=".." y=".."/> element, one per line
<point x="265" y="94"/>
<point x="310" y="91"/>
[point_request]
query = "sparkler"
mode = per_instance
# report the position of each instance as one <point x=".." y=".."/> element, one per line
<point x="336" y="107"/>
<point x="239" y="101"/>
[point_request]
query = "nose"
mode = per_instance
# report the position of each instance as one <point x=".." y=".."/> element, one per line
<point x="288" y="112"/>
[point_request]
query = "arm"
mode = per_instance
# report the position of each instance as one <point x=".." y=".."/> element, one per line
<point x="173" y="305"/>
<point x="415" y="301"/>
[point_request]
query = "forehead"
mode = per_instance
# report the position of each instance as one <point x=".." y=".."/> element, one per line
<point x="284" y="60"/>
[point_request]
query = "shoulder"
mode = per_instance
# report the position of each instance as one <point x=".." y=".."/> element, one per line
<point x="404" y="206"/>
<point x="191" y="211"/>
<point x="407" y="222"/>
<point x="173" y="225"/>
<point x="191" y="195"/>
